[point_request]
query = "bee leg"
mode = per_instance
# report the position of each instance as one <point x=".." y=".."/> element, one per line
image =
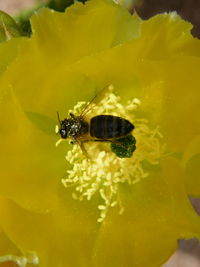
<point x="82" y="147"/>
<point x="84" y="150"/>
<point x="100" y="140"/>
<point x="113" y="141"/>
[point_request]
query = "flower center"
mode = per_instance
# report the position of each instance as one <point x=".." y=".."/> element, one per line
<point x="104" y="172"/>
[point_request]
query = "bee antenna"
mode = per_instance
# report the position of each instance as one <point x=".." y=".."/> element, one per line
<point x="58" y="118"/>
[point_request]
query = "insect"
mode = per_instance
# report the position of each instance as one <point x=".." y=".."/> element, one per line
<point x="100" y="128"/>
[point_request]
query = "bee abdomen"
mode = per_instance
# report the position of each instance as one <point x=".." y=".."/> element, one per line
<point x="108" y="126"/>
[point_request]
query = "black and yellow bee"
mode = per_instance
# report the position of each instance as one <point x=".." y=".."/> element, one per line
<point x="100" y="128"/>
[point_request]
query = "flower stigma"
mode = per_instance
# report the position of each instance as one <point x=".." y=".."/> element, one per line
<point x="104" y="172"/>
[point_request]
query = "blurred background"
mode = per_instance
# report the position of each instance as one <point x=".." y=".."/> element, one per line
<point x="188" y="252"/>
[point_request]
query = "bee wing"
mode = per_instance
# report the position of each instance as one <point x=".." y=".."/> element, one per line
<point x="95" y="100"/>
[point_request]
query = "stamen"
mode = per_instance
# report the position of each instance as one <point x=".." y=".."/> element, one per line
<point x="104" y="173"/>
<point x="59" y="141"/>
<point x="78" y="108"/>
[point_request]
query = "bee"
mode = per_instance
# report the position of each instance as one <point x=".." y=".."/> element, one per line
<point x="100" y="128"/>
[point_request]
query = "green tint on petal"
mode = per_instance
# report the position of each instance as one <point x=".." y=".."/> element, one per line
<point x="8" y="27"/>
<point x="157" y="213"/>
<point x="42" y="122"/>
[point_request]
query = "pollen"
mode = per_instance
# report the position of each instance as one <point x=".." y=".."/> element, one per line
<point x="57" y="129"/>
<point x="103" y="173"/>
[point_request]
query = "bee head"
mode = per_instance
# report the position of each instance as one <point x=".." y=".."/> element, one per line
<point x="63" y="130"/>
<point x="69" y="127"/>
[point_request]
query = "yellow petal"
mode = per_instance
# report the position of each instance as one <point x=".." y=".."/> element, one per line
<point x="164" y="79"/>
<point x="69" y="57"/>
<point x="26" y="172"/>
<point x="8" y="52"/>
<point x="63" y="238"/>
<point x="157" y="213"/>
<point x="81" y="31"/>
<point x="192" y="180"/>
<point x="181" y="113"/>
<point x="164" y="36"/>
<point x="10" y="254"/>
<point x="48" y="78"/>
<point x="7" y="246"/>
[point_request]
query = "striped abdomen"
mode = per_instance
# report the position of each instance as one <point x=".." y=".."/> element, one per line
<point x="108" y="126"/>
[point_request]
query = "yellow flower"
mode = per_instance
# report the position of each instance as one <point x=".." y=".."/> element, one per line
<point x="70" y="57"/>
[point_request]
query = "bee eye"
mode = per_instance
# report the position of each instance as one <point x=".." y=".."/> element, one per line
<point x="63" y="133"/>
